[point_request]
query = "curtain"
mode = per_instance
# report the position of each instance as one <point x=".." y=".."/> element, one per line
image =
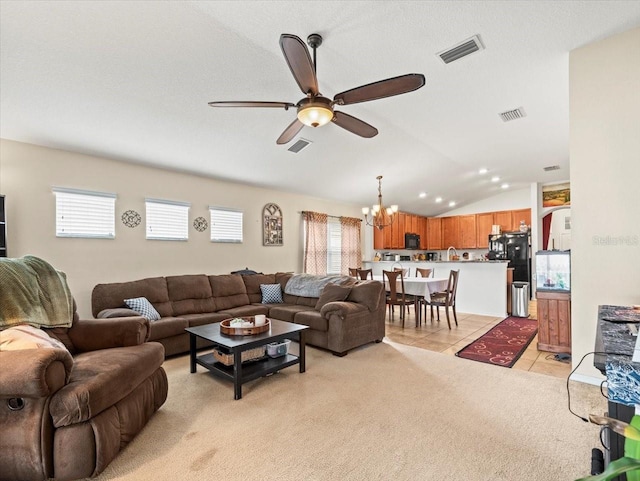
<point x="315" y="243"/>
<point x="546" y="230"/>
<point x="351" y="254"/>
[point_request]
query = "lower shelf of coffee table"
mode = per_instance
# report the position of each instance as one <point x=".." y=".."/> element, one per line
<point x="250" y="370"/>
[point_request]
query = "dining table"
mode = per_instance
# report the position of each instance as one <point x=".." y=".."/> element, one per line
<point x="418" y="287"/>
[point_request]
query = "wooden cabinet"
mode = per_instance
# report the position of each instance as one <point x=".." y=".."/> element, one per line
<point x="424" y="233"/>
<point x="378" y="238"/>
<point x="450" y="231"/>
<point x="504" y="220"/>
<point x="483" y="229"/>
<point x="520" y="215"/>
<point x="554" y="321"/>
<point x="3" y="229"/>
<point x="468" y="237"/>
<point x="434" y="228"/>
<point x="397" y="231"/>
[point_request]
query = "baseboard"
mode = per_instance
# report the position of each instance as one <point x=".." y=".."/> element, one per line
<point x="596" y="381"/>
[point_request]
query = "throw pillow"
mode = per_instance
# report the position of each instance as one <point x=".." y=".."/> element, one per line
<point x="143" y="307"/>
<point x="27" y="337"/>
<point x="332" y="293"/>
<point x="271" y="293"/>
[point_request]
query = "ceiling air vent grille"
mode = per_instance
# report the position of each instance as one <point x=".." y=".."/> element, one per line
<point x="551" y="167"/>
<point x="464" y="48"/>
<point x="299" y="145"/>
<point x="513" y="114"/>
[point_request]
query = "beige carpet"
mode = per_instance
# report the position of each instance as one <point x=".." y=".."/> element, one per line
<point x="384" y="412"/>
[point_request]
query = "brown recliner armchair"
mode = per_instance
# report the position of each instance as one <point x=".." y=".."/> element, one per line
<point x="66" y="413"/>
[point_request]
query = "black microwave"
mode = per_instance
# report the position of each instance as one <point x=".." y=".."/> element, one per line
<point x="411" y="241"/>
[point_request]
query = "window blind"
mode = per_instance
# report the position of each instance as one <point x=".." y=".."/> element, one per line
<point x="82" y="213"/>
<point x="334" y="246"/>
<point x="167" y="220"/>
<point x="226" y="225"/>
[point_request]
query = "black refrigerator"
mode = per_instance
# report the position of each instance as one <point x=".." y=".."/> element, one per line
<point x="514" y="247"/>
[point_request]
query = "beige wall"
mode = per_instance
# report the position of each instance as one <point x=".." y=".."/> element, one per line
<point x="605" y="175"/>
<point x="28" y="172"/>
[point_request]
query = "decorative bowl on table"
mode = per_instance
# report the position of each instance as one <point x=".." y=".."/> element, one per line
<point x="243" y="326"/>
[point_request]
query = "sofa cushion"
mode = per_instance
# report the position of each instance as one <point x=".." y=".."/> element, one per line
<point x="313" y="319"/>
<point x="367" y="293"/>
<point x="106" y="296"/>
<point x="167" y="327"/>
<point x="331" y="293"/>
<point x="204" y="318"/>
<point x="307" y="301"/>
<point x="287" y="312"/>
<point x="248" y="310"/>
<point x="190" y="294"/>
<point x="102" y="378"/>
<point x="252" y="284"/>
<point x="229" y="291"/>
<point x="271" y="293"/>
<point x="143" y="307"/>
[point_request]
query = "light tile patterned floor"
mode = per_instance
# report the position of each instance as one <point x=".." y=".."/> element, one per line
<point x="437" y="337"/>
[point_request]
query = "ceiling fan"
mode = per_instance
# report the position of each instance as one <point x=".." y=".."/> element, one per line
<point x="315" y="110"/>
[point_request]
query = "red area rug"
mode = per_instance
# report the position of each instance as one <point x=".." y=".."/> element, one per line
<point x="504" y="343"/>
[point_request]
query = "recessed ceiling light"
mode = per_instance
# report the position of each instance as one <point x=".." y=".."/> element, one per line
<point x="422" y="195"/>
<point x="505" y="186"/>
<point x="495" y="178"/>
<point x="452" y="203"/>
<point x="482" y="171"/>
<point x="438" y="199"/>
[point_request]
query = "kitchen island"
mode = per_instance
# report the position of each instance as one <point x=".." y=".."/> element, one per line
<point x="482" y="285"/>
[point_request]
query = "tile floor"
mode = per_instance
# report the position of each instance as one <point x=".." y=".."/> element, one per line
<point x="437" y="337"/>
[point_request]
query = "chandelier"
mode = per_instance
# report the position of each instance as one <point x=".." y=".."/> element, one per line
<point x="381" y="217"/>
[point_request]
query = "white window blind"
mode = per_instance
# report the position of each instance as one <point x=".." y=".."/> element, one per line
<point x="334" y="245"/>
<point x="82" y="213"/>
<point x="226" y="225"/>
<point x="167" y="220"/>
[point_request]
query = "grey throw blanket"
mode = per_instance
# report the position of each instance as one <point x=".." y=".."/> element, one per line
<point x="33" y="292"/>
<point x="307" y="285"/>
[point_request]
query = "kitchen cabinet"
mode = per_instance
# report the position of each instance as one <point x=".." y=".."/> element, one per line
<point x="483" y="227"/>
<point x="520" y="215"/>
<point x="554" y="321"/>
<point x="378" y="238"/>
<point x="424" y="233"/>
<point x="504" y="220"/>
<point x="450" y="231"/>
<point x="434" y="228"/>
<point x="397" y="231"/>
<point x="468" y="237"/>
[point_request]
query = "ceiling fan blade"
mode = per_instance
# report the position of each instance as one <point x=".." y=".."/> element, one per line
<point x="290" y="132"/>
<point x="299" y="61"/>
<point x="381" y="89"/>
<point x="354" y="125"/>
<point x="279" y="105"/>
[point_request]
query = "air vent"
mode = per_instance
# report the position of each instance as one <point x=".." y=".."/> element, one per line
<point x="551" y="167"/>
<point x="299" y="145"/>
<point x="513" y="114"/>
<point x="464" y="48"/>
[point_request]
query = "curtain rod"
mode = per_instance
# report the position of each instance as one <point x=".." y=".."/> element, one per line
<point x="334" y="216"/>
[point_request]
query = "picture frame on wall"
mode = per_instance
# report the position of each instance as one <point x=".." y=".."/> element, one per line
<point x="556" y="195"/>
<point x="272" y="225"/>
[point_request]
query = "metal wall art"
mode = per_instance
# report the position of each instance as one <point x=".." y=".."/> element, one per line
<point x="200" y="224"/>
<point x="272" y="225"/>
<point x="131" y="218"/>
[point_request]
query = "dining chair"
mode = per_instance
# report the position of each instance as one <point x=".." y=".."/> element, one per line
<point x="446" y="299"/>
<point x="395" y="298"/>
<point x="353" y="271"/>
<point x="365" y="274"/>
<point x="420" y="272"/>
<point x="424" y="272"/>
<point x="405" y="272"/>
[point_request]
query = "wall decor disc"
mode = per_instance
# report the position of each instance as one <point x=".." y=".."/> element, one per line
<point x="131" y="218"/>
<point x="200" y="224"/>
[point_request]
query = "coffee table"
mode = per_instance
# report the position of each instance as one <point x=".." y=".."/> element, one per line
<point x="239" y="373"/>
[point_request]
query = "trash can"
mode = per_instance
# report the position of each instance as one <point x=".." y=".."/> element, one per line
<point x="520" y="299"/>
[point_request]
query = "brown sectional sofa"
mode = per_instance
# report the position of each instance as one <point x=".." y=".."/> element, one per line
<point x="192" y="300"/>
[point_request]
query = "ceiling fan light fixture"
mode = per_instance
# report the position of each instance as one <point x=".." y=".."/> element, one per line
<point x="315" y="112"/>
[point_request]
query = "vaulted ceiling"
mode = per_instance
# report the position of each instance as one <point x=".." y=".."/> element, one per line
<point x="131" y="81"/>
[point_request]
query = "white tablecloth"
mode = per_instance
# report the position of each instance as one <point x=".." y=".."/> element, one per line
<point x="420" y="286"/>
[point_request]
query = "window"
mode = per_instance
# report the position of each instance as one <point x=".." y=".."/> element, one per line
<point x="334" y="246"/>
<point x="167" y="220"/>
<point x="81" y="213"/>
<point x="226" y="225"/>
